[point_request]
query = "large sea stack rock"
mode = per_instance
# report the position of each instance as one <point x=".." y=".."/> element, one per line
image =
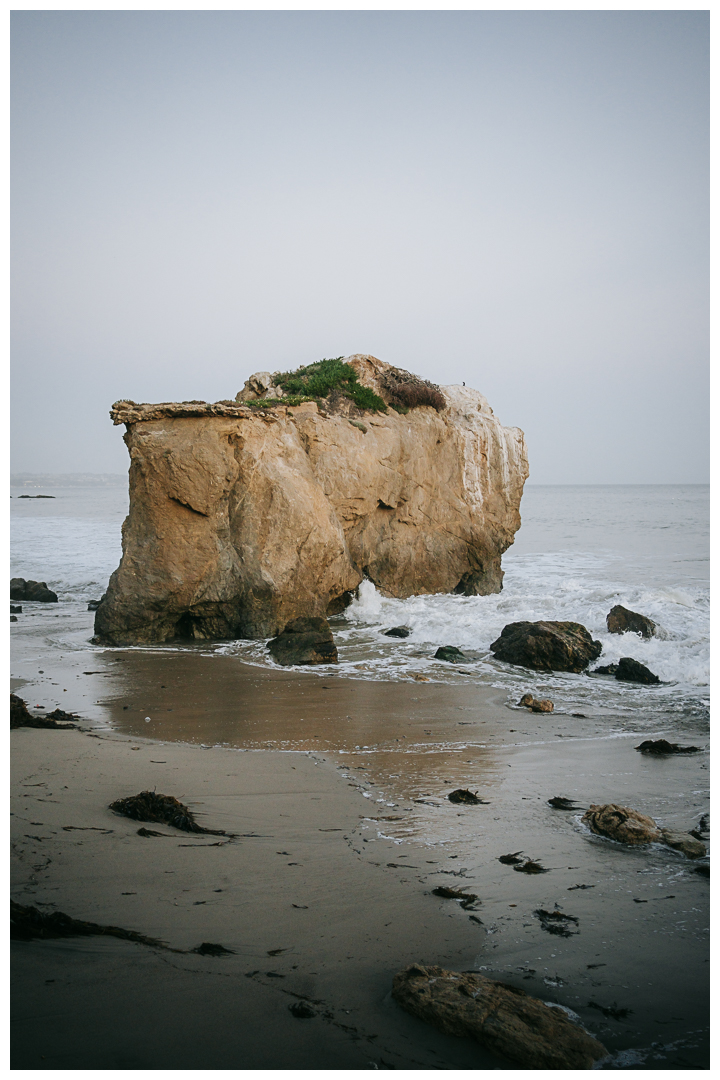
<point x="243" y="518"/>
<point x="546" y="646"/>
<point x="502" y="1018"/>
<point x="622" y="621"/>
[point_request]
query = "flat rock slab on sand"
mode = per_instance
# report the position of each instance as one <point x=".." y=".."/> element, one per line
<point x="502" y="1018"/>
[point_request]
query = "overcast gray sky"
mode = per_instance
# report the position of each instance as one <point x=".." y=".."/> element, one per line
<point x="514" y="199"/>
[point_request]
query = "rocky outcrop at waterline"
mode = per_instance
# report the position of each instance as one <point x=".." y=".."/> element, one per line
<point x="546" y="646"/>
<point x="247" y="515"/>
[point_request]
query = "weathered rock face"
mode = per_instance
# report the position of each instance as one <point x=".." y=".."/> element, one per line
<point x="502" y="1018"/>
<point x="546" y="646"/>
<point x="243" y="519"/>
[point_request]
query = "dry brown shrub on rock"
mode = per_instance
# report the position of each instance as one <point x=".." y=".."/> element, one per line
<point x="413" y="395"/>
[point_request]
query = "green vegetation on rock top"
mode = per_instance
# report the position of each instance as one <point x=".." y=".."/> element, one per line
<point x="317" y="380"/>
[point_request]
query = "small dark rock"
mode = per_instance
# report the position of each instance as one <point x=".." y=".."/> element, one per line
<point x="93" y="605"/>
<point x="559" y="802"/>
<point x="462" y="795"/>
<point x="304" y="641"/>
<point x="16" y="609"/>
<point x="621" y="621"/>
<point x="209" y="949"/>
<point x="398" y="631"/>
<point x="546" y="646"/>
<point x="13" y="618"/>
<point x="302" y="1010"/>
<point x="450" y="654"/>
<point x="605" y="669"/>
<point x="703" y="869"/>
<point x="662" y="746"/>
<point x="630" y="670"/>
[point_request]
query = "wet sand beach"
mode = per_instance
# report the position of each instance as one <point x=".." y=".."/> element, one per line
<point x="338" y="789"/>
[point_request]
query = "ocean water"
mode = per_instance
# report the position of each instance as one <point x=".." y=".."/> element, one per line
<point x="580" y="550"/>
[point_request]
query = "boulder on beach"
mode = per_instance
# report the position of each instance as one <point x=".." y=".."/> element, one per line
<point x="398" y="631"/>
<point x="622" y="621"/>
<point x="304" y="641"/>
<point x="20" y="589"/>
<point x="527" y="701"/>
<point x="244" y="518"/>
<point x="502" y="1018"/>
<point x="546" y="646"/>
<point x="621" y="823"/>
<point x="629" y="670"/>
<point x="450" y="654"/>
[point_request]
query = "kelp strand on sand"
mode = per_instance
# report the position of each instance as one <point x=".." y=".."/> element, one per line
<point x="27" y="923"/>
<point x="165" y="809"/>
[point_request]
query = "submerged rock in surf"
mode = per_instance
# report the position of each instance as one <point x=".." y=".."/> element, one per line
<point x="450" y="654"/>
<point x="622" y="621"/>
<point x="629" y="670"/>
<point x="502" y="1018"/>
<point x="398" y="631"/>
<point x="536" y="704"/>
<point x="304" y="641"/>
<point x="546" y="646"/>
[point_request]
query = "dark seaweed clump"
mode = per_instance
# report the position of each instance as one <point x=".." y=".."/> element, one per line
<point x="556" y="922"/>
<point x="21" y="717"/>
<point x="166" y="809"/>
<point x="27" y="923"/>
<point x="448" y="893"/>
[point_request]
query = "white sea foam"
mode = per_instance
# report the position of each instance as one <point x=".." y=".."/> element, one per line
<point x="579" y="552"/>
